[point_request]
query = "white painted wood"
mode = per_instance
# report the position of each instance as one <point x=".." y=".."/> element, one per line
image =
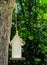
<point x="16" y="46"/>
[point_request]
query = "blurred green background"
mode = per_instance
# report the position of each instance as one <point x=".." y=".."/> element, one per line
<point x="32" y="27"/>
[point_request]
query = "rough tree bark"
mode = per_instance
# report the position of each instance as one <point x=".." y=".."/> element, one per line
<point x="6" y="9"/>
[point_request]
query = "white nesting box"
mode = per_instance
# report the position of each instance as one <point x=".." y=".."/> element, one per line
<point x="17" y="42"/>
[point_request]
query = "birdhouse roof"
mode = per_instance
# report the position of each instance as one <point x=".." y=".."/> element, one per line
<point x="17" y="39"/>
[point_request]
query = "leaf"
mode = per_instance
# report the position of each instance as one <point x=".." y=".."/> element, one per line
<point x="37" y="59"/>
<point x="31" y="37"/>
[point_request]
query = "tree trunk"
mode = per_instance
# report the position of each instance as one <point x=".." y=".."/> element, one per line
<point x="6" y="9"/>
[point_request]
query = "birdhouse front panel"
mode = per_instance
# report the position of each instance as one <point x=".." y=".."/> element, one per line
<point x="16" y="50"/>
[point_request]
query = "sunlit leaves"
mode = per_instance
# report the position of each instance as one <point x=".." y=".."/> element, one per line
<point x="42" y="2"/>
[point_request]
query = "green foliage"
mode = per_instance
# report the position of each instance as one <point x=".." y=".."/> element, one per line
<point x="32" y="27"/>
